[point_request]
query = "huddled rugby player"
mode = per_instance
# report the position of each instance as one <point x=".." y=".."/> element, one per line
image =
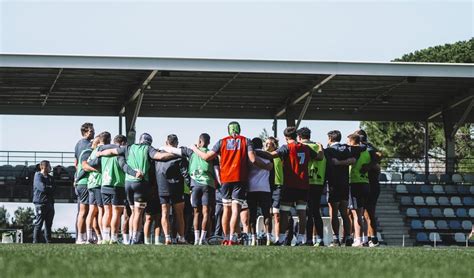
<point x="239" y="192"/>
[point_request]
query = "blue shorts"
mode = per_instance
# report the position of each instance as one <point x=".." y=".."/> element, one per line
<point x="82" y="195"/>
<point x="202" y="196"/>
<point x="233" y="191"/>
<point x="95" y="197"/>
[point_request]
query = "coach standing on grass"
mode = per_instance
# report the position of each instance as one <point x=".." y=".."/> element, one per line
<point x="43" y="199"/>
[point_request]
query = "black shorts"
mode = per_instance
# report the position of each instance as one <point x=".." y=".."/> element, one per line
<point x="276" y="196"/>
<point x="374" y="192"/>
<point x="314" y="194"/>
<point x="202" y="196"/>
<point x="153" y="206"/>
<point x="359" y="195"/>
<point x="113" y="196"/>
<point x="82" y="195"/>
<point x="137" y="191"/>
<point x="259" y="199"/>
<point x="172" y="199"/>
<point x="292" y="195"/>
<point x="95" y="197"/>
<point x="338" y="193"/>
<point x="233" y="191"/>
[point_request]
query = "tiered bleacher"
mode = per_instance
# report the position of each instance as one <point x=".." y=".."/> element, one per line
<point x="441" y="210"/>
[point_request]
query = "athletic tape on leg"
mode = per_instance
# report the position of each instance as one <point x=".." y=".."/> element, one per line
<point x="285" y="208"/>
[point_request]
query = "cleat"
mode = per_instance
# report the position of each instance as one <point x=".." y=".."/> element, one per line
<point x="374" y="243"/>
<point x="319" y="244"/>
<point x="335" y="243"/>
<point x="233" y="243"/>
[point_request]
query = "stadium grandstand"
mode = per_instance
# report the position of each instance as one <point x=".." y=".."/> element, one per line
<point x="429" y="203"/>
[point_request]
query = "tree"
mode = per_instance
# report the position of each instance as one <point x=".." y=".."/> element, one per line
<point x="264" y="135"/>
<point x="62" y="233"/>
<point x="4" y="216"/>
<point x="23" y="218"/>
<point x="406" y="140"/>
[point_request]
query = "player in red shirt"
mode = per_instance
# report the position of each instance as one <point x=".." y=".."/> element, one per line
<point x="235" y="153"/>
<point x="294" y="191"/>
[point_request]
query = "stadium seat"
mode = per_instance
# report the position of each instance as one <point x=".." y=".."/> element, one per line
<point x="412" y="212"/>
<point x="421" y="178"/>
<point x="466" y="225"/>
<point x="406" y="201"/>
<point x="468" y="201"/>
<point x="456" y="201"/>
<point x="401" y="189"/>
<point x="463" y="190"/>
<point x="438" y="189"/>
<point x="416" y="225"/>
<point x="435" y="237"/>
<point x="431" y="201"/>
<point x="450" y="189"/>
<point x="471" y="189"/>
<point x="429" y="225"/>
<point x="442" y="225"/>
<point x="419" y="201"/>
<point x="471" y="212"/>
<point x="422" y="237"/>
<point x="426" y="189"/>
<point x="436" y="212"/>
<point x="383" y="177"/>
<point x="395" y="177"/>
<point x="449" y="212"/>
<point x="468" y="178"/>
<point x="444" y="178"/>
<point x="461" y="212"/>
<point x="409" y="177"/>
<point x="413" y="189"/>
<point x="459" y="238"/>
<point x="443" y="201"/>
<point x="457" y="178"/>
<point x="432" y="178"/>
<point x="454" y="225"/>
<point x="424" y="213"/>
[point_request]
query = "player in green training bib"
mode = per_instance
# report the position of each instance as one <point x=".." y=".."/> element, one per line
<point x="271" y="144"/>
<point x="359" y="188"/>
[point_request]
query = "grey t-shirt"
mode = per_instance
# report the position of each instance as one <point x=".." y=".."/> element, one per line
<point x="80" y="146"/>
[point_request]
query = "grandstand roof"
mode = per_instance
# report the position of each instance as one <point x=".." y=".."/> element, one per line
<point x="218" y="88"/>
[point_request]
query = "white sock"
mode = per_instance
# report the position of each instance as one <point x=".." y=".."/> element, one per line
<point x="134" y="236"/>
<point x="157" y="239"/>
<point x="269" y="237"/>
<point x="126" y="238"/>
<point x="99" y="237"/>
<point x="197" y="236"/>
<point x="203" y="236"/>
<point x="106" y="234"/>
<point x="147" y="240"/>
<point x="89" y="235"/>
<point x="315" y="239"/>
<point x="168" y="237"/>
<point x="365" y="239"/>
<point x="301" y="238"/>
<point x="234" y="237"/>
<point x="115" y="237"/>
<point x="254" y="237"/>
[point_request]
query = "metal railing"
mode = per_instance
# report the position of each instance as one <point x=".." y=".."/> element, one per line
<point x="417" y="165"/>
<point x="28" y="158"/>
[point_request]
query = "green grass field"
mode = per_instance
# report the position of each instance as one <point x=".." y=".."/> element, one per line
<point x="28" y="260"/>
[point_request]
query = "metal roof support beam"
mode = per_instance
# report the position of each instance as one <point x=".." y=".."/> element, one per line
<point x="305" y="108"/>
<point x="463" y="118"/>
<point x="131" y="114"/>
<point x="303" y="96"/>
<point x="138" y="91"/>
<point x="51" y="88"/>
<point x="219" y="91"/>
<point x="452" y="105"/>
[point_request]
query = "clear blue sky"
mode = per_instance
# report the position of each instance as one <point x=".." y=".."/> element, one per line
<point x="284" y="30"/>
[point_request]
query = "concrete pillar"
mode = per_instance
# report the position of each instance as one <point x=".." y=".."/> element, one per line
<point x="275" y="127"/>
<point x="448" y="125"/>
<point x="427" y="148"/>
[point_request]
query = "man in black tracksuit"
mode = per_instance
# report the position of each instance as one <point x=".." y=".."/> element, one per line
<point x="43" y="199"/>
